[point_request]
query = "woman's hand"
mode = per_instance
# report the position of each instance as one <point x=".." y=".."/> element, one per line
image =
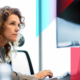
<point x="43" y="74"/>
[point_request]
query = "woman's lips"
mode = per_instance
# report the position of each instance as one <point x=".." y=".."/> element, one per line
<point x="15" y="34"/>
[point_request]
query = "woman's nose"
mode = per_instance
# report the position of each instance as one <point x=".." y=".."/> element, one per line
<point x="17" y="28"/>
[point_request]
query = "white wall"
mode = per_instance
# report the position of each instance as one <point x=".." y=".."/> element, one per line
<point x="55" y="59"/>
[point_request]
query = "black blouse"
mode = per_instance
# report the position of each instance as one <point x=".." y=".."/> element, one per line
<point x="2" y="54"/>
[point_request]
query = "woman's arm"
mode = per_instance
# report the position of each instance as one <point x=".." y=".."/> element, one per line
<point x="39" y="76"/>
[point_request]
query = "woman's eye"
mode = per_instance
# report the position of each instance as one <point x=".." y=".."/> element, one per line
<point x="19" y="25"/>
<point x="12" y="23"/>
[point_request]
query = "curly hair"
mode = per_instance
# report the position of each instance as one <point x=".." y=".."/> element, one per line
<point x="5" y="12"/>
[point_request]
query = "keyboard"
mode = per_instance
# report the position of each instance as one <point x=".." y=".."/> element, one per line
<point x="66" y="77"/>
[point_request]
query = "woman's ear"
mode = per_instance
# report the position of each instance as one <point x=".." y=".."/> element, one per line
<point x="3" y="25"/>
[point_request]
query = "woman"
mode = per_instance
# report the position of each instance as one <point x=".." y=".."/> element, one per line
<point x="11" y="22"/>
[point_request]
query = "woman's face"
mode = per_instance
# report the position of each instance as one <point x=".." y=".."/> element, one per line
<point x="11" y="28"/>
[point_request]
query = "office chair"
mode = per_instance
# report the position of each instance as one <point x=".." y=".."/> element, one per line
<point x="21" y="62"/>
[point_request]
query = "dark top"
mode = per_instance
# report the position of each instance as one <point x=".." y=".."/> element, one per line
<point x="2" y="54"/>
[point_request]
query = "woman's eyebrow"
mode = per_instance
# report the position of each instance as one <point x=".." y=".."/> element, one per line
<point x="15" y="22"/>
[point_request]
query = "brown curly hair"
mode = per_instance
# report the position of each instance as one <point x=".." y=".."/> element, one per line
<point x="5" y="12"/>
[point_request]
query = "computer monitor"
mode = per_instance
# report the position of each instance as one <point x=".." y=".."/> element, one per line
<point x="68" y="23"/>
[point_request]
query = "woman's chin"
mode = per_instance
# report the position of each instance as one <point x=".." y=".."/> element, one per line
<point x="13" y="40"/>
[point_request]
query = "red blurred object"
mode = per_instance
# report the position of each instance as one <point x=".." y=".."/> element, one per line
<point x="62" y="5"/>
<point x="75" y="63"/>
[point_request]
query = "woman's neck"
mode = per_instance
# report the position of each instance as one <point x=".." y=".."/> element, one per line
<point x="3" y="43"/>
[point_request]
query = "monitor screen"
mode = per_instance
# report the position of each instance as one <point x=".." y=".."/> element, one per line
<point x="68" y="23"/>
